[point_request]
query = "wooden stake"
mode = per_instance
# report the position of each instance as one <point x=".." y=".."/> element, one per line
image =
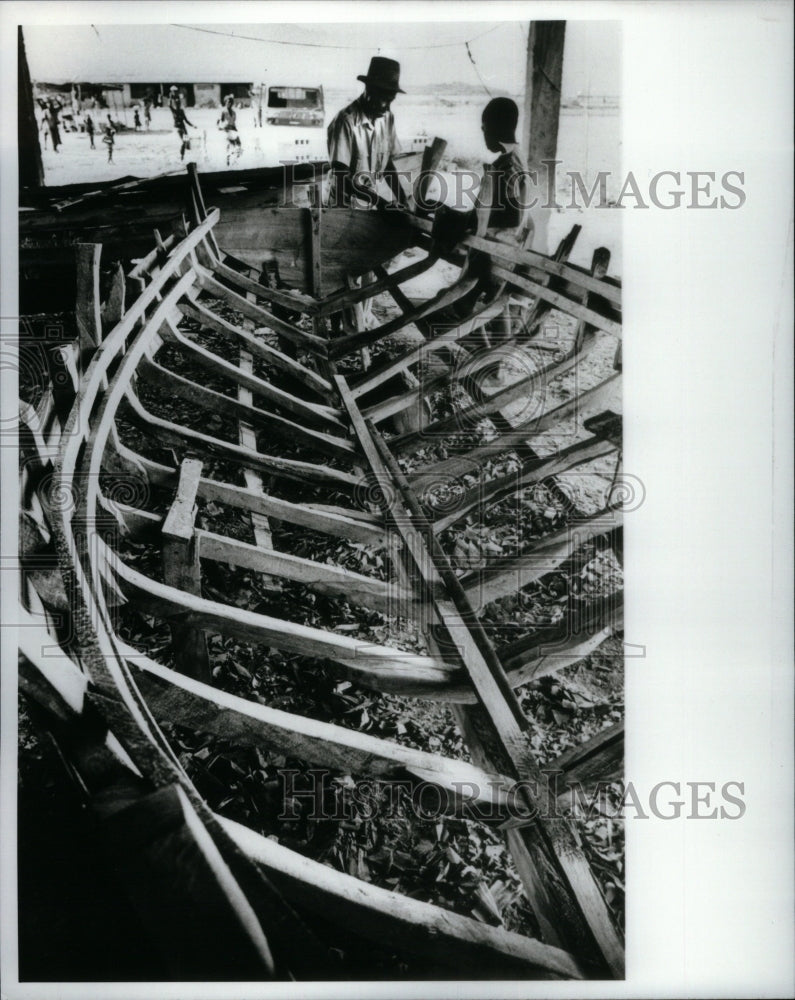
<point x="181" y="569"/>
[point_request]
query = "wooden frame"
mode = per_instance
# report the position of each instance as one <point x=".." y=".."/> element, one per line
<point x="132" y="693"/>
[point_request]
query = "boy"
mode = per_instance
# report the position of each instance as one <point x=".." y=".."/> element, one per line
<point x="108" y="137"/>
<point x="228" y="123"/>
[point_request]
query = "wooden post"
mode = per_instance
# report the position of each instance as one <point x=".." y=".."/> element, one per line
<point x="88" y="312"/>
<point x="181" y="569"/>
<point x="31" y="169"/>
<point x="542" y="113"/>
<point x="248" y="438"/>
<point x="113" y="309"/>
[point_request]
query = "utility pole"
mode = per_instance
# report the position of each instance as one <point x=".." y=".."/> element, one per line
<point x="542" y="115"/>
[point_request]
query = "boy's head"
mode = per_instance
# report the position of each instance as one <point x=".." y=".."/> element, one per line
<point x="499" y="120"/>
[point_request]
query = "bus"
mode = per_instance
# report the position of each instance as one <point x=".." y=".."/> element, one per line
<point x="295" y="106"/>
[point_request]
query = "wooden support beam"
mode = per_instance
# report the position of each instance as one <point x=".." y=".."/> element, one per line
<point x="567" y="895"/>
<point x="469" y="947"/>
<point x="87" y="306"/>
<point x="290" y="299"/>
<point x="313" y="412"/>
<point x="384" y="667"/>
<point x="384" y="283"/>
<point x="542" y="103"/>
<point x="336" y="521"/>
<point x="508" y="576"/>
<point x="467" y="417"/>
<point x="31" y="169"/>
<point x="270" y="355"/>
<point x="175" y="435"/>
<point x="577" y="407"/>
<point x="334" y="581"/>
<point x="261" y="316"/>
<point x="535" y="471"/>
<point x="247" y="437"/>
<point x="571" y="901"/>
<point x="442" y="300"/>
<point x="218" y="402"/>
<point x="449" y="335"/>
<point x="113" y="308"/>
<point x="558" y="300"/>
<point x="181" y="569"/>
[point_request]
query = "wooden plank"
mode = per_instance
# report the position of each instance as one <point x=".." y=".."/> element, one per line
<point x="561" y="302"/>
<point x="217" y="402"/>
<point x="381" y="373"/>
<point x="507" y="576"/>
<point x="178" y="436"/>
<point x="181" y="569"/>
<point x="467" y="417"/>
<point x="289" y="299"/>
<point x="528" y="258"/>
<point x="326" y="579"/>
<point x="325" y="520"/>
<point x="248" y="439"/>
<point x="113" y="308"/>
<point x="200" y="208"/>
<point x="87" y="306"/>
<point x="578" y="406"/>
<point x="350" y="296"/>
<point x="468" y="946"/>
<point x="442" y="300"/>
<point x="196" y="311"/>
<point x="176" y="698"/>
<point x="535" y="471"/>
<point x="314" y="412"/>
<point x="542" y="90"/>
<point x="144" y="265"/>
<point x="383" y="666"/>
<point x="260" y="315"/>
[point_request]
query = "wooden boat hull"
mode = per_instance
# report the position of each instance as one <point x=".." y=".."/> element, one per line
<point x="264" y="215"/>
<point x="77" y="483"/>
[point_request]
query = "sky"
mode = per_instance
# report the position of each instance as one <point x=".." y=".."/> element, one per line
<point x="328" y="54"/>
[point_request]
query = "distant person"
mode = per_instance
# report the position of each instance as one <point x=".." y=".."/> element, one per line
<point x="148" y="112"/>
<point x="109" y="136"/>
<point x="136" y="120"/>
<point x="53" y="109"/>
<point x="90" y="130"/>
<point x="362" y="139"/>
<point x="44" y="128"/>
<point x="180" y="124"/>
<point x="228" y="123"/>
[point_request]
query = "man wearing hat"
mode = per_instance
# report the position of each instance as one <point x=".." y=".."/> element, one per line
<point x="362" y="139"/>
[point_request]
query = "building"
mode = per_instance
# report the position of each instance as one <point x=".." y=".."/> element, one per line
<point x="126" y="94"/>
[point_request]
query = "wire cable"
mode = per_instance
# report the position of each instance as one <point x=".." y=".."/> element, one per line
<point x="321" y="45"/>
<point x="477" y="71"/>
